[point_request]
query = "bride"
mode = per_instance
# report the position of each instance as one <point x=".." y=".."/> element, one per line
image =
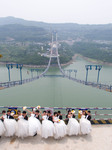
<point x="10" y="124"/>
<point x="60" y="127"/>
<point x="34" y="123"/>
<point x="22" y="125"/>
<point x="85" y="125"/>
<point x="47" y="126"/>
<point x="73" y="127"/>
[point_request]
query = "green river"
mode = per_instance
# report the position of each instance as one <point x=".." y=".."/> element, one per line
<point x="56" y="91"/>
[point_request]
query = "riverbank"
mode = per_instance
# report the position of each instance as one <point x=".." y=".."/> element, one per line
<point x="99" y="139"/>
<point x="39" y="66"/>
<point x="43" y="66"/>
<point x="93" y="60"/>
<point x="66" y="64"/>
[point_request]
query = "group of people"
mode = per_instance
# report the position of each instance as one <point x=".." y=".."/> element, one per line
<point x="21" y="125"/>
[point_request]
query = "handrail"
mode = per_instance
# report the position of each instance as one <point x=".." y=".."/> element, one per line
<point x="63" y="108"/>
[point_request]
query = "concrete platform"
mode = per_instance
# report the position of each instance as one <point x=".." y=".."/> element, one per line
<point x="99" y="139"/>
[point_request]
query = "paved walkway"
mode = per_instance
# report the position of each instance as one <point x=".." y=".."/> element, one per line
<point x="99" y="139"/>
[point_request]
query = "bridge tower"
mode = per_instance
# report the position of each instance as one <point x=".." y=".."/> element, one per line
<point x="54" y="46"/>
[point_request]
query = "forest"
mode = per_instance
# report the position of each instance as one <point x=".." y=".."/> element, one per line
<point x="24" y="41"/>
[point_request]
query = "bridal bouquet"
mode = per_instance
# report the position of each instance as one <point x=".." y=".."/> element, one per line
<point x="24" y="108"/>
<point x="38" y="107"/>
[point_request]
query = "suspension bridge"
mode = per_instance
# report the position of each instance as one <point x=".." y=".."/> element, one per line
<point x="54" y="54"/>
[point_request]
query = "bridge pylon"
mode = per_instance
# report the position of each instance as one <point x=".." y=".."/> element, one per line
<point x="54" y="46"/>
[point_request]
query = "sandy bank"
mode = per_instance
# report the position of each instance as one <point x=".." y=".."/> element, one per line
<point x="99" y="139"/>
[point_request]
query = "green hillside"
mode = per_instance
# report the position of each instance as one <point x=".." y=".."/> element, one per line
<point x="24" y="41"/>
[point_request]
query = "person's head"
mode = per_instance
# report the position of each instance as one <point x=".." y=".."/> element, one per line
<point x="89" y="112"/>
<point x="8" y="112"/>
<point x="55" y="114"/>
<point x="19" y="112"/>
<point x="69" y="112"/>
<point x="59" y="112"/>
<point x="44" y="112"/>
<point x="83" y="112"/>
<point x="49" y="113"/>
<point x="3" y="112"/>
<point x="24" y="113"/>
<point x="37" y="112"/>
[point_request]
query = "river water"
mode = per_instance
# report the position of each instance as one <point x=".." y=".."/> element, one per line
<point x="56" y="91"/>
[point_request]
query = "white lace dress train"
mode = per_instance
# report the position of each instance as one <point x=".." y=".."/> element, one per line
<point x="60" y="128"/>
<point x="73" y="127"/>
<point x="47" y="128"/>
<point x="2" y="128"/>
<point x="34" y="126"/>
<point x="85" y="125"/>
<point x="22" y="127"/>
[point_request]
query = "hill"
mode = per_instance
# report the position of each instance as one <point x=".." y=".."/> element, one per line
<point x="66" y="30"/>
<point x="17" y="32"/>
<point x="23" y="41"/>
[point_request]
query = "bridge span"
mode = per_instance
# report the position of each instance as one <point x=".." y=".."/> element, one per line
<point x="9" y="84"/>
<point x="54" y="54"/>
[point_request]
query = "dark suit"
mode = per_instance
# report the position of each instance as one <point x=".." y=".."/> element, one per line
<point x="26" y="117"/>
<point x="73" y="116"/>
<point x="50" y="118"/>
<point x="9" y="116"/>
<point x="37" y="117"/>
<point x="88" y="117"/>
<point x="60" y="117"/>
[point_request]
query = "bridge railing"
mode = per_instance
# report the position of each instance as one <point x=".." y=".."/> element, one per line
<point x="96" y="113"/>
<point x="19" y="82"/>
<point x="93" y="84"/>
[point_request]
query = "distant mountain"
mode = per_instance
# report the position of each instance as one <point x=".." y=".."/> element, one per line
<point x="65" y="31"/>
<point x="90" y="40"/>
<point x="17" y="32"/>
<point x="13" y="20"/>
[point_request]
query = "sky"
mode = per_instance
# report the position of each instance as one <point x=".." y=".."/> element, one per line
<point x="59" y="11"/>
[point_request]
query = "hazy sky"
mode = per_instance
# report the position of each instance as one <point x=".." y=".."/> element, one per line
<point x="59" y="11"/>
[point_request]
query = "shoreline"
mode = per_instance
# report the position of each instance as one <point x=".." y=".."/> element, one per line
<point x="94" y="60"/>
<point x="87" y="59"/>
<point x="66" y="64"/>
<point x="42" y="66"/>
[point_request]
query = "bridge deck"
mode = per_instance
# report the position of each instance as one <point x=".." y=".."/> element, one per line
<point x="43" y="74"/>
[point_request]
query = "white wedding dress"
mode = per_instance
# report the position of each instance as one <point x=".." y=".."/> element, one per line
<point x="60" y="128"/>
<point x="85" y="125"/>
<point x="34" y="125"/>
<point x="2" y="128"/>
<point x="10" y="126"/>
<point x="22" y="127"/>
<point x="47" y="128"/>
<point x="73" y="127"/>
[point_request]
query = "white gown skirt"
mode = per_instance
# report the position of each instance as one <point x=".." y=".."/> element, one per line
<point x="2" y="128"/>
<point x="10" y="126"/>
<point x="85" y="126"/>
<point x="22" y="128"/>
<point x="47" y="129"/>
<point x="73" y="127"/>
<point x="60" y="129"/>
<point x="34" y="126"/>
